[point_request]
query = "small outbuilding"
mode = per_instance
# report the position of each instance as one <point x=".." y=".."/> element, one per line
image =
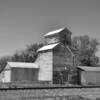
<point x="89" y="75"/>
<point x="18" y="71"/>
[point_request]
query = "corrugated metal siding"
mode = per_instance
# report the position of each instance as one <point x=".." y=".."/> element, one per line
<point x="24" y="74"/>
<point x="19" y="74"/>
<point x="91" y="78"/>
<point x="45" y="63"/>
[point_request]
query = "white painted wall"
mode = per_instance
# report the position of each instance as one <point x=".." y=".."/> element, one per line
<point x="45" y="62"/>
<point x="6" y="76"/>
<point x="90" y="77"/>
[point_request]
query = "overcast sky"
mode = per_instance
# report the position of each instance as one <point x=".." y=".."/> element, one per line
<point x="23" y="22"/>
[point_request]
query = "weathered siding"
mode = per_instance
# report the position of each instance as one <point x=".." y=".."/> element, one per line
<point x="65" y="35"/>
<point x="90" y="78"/>
<point x="50" y="40"/>
<point x="24" y="74"/>
<point x="62" y="58"/>
<point x="63" y="66"/>
<point x="5" y="76"/>
<point x="45" y="62"/>
<point x="19" y="74"/>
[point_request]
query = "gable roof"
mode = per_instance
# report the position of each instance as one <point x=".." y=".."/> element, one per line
<point x="57" y="31"/>
<point x="47" y="47"/>
<point x="87" y="68"/>
<point x="21" y="65"/>
<point x="54" y="32"/>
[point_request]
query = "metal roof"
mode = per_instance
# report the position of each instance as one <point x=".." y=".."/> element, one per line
<point x="54" y="32"/>
<point x="48" y="47"/>
<point x="21" y="65"/>
<point x="87" y="68"/>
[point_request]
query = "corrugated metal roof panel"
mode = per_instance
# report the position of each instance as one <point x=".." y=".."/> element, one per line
<point x="22" y="65"/>
<point x="48" y="47"/>
<point x="54" y="32"/>
<point x="87" y="68"/>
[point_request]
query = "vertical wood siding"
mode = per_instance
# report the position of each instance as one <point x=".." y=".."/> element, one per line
<point x="6" y="76"/>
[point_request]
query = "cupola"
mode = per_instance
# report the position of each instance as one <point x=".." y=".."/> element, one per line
<point x="62" y="35"/>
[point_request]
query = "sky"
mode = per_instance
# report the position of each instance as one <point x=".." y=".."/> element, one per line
<point x="24" y="22"/>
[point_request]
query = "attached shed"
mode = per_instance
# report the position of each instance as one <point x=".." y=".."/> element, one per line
<point x="18" y="71"/>
<point x="89" y="75"/>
